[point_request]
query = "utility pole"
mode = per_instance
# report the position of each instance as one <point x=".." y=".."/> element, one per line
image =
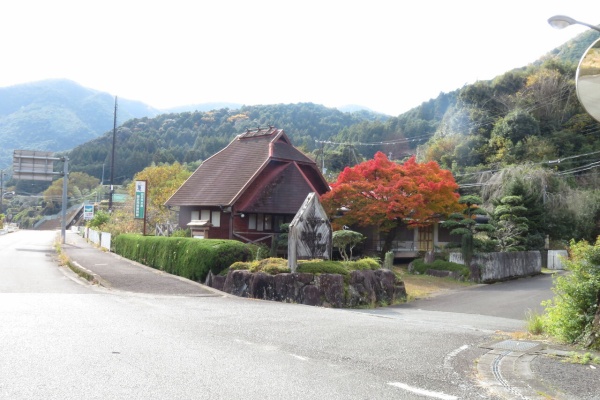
<point x="112" y="160"/>
<point x="1" y="190"/>
<point x="63" y="225"/>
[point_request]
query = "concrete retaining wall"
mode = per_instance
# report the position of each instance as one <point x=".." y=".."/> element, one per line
<point x="501" y="266"/>
<point x="555" y="258"/>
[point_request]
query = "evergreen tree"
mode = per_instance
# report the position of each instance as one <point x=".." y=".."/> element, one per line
<point x="465" y="225"/>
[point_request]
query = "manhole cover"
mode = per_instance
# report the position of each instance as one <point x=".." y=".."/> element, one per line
<point x="514" y="345"/>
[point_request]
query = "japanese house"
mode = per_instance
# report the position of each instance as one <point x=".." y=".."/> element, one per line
<point x="248" y="189"/>
<point x="408" y="242"/>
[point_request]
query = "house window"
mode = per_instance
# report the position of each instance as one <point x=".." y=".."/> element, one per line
<point x="278" y="222"/>
<point x="213" y="217"/>
<point x="260" y="222"/>
<point x="205" y="215"/>
<point x="268" y="220"/>
<point x="216" y="219"/>
<point x="252" y="221"/>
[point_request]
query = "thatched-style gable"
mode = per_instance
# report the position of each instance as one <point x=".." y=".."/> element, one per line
<point x="260" y="174"/>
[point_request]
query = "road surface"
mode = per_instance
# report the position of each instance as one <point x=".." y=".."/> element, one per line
<point x="61" y="338"/>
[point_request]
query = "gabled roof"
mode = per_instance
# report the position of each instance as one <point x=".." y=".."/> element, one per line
<point x="222" y="178"/>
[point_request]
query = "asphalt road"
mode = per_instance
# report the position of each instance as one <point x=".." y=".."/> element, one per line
<point x="63" y="339"/>
<point x="512" y="299"/>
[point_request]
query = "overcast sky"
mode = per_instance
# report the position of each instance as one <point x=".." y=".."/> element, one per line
<point x="386" y="55"/>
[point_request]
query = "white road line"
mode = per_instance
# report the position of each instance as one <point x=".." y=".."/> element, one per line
<point x="453" y="354"/>
<point x="299" y="357"/>
<point x="423" y="392"/>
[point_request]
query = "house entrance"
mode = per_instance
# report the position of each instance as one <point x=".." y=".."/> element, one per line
<point x="426" y="238"/>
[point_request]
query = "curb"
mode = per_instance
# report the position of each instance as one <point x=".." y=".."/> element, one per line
<point x="96" y="279"/>
<point x="86" y="274"/>
<point x="506" y="370"/>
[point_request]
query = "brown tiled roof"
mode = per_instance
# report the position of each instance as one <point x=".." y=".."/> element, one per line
<point x="223" y="177"/>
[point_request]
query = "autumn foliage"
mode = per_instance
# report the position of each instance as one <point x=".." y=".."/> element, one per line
<point x="382" y="193"/>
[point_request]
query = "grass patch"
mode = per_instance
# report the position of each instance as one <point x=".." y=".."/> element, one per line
<point x="424" y="286"/>
<point x="584" y="359"/>
<point x="535" y="323"/>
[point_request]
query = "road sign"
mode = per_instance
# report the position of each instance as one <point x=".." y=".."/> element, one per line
<point x="34" y="165"/>
<point x="139" y="211"/>
<point x="88" y="211"/>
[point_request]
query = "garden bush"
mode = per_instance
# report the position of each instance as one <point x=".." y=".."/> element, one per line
<point x="259" y="251"/>
<point x="421" y="267"/>
<point x="571" y="315"/>
<point x="272" y="266"/>
<point x="363" y="263"/>
<point x="322" y="267"/>
<point x="187" y="257"/>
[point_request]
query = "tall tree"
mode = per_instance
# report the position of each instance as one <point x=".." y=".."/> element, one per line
<point x="385" y="194"/>
<point x="511" y="224"/>
<point x="162" y="182"/>
<point x="79" y="184"/>
<point x="464" y="224"/>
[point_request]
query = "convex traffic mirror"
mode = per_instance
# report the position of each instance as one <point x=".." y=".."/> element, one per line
<point x="588" y="80"/>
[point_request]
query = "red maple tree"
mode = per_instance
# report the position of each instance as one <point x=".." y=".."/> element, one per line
<point x="382" y="193"/>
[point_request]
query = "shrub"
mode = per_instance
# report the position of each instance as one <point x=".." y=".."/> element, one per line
<point x="187" y="257"/>
<point x="535" y="323"/>
<point x="259" y="251"/>
<point x="238" y="265"/>
<point x="322" y="267"/>
<point x="272" y="266"/>
<point x="182" y="233"/>
<point x="421" y="267"/>
<point x="100" y="218"/>
<point x="346" y="239"/>
<point x="570" y="315"/>
<point x="363" y="263"/>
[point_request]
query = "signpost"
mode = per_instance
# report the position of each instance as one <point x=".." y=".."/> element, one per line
<point x="88" y="212"/>
<point x="39" y="166"/>
<point x="139" y="211"/>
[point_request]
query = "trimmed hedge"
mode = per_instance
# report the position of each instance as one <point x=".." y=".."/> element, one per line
<point x="187" y="257"/>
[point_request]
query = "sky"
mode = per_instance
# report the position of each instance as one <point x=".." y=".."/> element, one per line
<point x="387" y="55"/>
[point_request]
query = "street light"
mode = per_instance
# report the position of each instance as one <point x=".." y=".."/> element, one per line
<point x="562" y="21"/>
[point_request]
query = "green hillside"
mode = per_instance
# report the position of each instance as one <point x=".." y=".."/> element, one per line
<point x="56" y="115"/>
<point x="194" y="136"/>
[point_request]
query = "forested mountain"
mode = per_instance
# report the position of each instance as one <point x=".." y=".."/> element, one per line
<point x="529" y="114"/>
<point x="194" y="136"/>
<point x="55" y="115"/>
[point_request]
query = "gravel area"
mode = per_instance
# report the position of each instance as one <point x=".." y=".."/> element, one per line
<point x="582" y="382"/>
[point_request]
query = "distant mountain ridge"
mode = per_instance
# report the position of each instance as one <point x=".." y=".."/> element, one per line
<point x="58" y="114"/>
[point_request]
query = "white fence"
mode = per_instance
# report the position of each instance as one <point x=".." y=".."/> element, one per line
<point x="102" y="239"/>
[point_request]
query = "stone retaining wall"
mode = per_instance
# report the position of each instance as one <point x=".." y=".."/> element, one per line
<point x="494" y="267"/>
<point x="364" y="288"/>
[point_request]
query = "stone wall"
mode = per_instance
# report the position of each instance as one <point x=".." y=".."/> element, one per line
<point x="364" y="288"/>
<point x="501" y="266"/>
